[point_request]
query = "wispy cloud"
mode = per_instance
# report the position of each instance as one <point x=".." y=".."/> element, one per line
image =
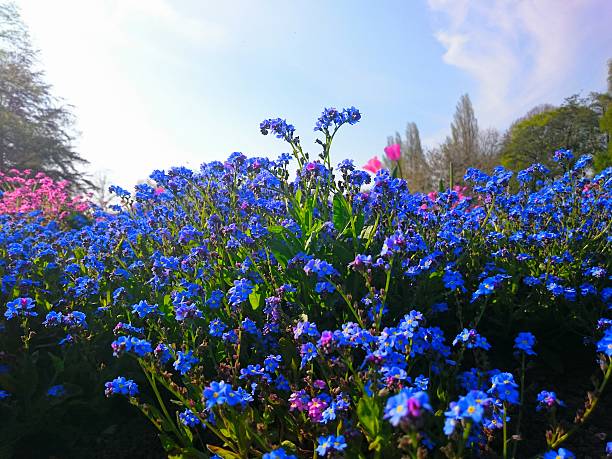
<point x="519" y="52"/>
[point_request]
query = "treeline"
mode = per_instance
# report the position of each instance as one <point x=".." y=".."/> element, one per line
<point x="582" y="124"/>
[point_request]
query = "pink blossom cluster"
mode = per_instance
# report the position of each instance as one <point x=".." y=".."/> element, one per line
<point x="22" y="192"/>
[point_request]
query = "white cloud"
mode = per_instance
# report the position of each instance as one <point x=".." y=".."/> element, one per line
<point x="521" y="53"/>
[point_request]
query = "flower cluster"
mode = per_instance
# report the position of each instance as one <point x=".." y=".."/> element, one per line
<point x="334" y="314"/>
<point x="23" y="192"/>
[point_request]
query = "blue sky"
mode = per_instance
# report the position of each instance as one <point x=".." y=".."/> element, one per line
<point x="157" y="83"/>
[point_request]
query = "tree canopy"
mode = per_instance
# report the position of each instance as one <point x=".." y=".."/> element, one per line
<point x="413" y="163"/>
<point x="575" y="125"/>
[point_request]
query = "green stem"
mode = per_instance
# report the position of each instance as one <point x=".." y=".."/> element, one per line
<point x="151" y="379"/>
<point x="589" y="410"/>
<point x="466" y="434"/>
<point x="505" y="448"/>
<point x="520" y="414"/>
<point x="350" y="305"/>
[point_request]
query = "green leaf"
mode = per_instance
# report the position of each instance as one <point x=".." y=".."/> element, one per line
<point x="168" y="444"/>
<point x="359" y="222"/>
<point x="254" y="299"/>
<point x="368" y="412"/>
<point x="367" y="232"/>
<point x="276" y="229"/>
<point x="342" y="212"/>
<point x="58" y="363"/>
<point x="223" y="453"/>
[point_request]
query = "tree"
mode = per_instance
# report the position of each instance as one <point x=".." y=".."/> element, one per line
<point x="36" y="130"/>
<point x="413" y="164"/>
<point x="574" y="125"/>
<point x="467" y="146"/>
<point x="100" y="194"/>
<point x="604" y="159"/>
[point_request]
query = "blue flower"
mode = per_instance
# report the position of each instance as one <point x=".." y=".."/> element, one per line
<point x="214" y="301"/>
<point x="254" y="370"/>
<point x="330" y="443"/>
<point x="561" y="453"/>
<point x="216" y="394"/>
<point x="605" y="344"/>
<point x="186" y="311"/>
<point x="278" y="453"/>
<point x="308" y="351"/>
<point x="453" y="280"/>
<point x="279" y="127"/>
<point x="20" y="307"/>
<point x="333" y="117"/>
<point x="56" y="391"/>
<point x="121" y="386"/>
<point x="406" y="404"/>
<point x="321" y="268"/>
<point x="240" y="292"/>
<point x="143" y="309"/>
<point x="189" y="418"/>
<point x="562" y="156"/>
<point x="53" y="319"/>
<point x="548" y="400"/>
<point x="138" y="346"/>
<point x="489" y="285"/>
<point x="184" y="361"/>
<point x="272" y="362"/>
<point x="216" y="328"/>
<point x="524" y="342"/>
<point x="472" y="340"/>
<point x="162" y="352"/>
<point x="250" y="327"/>
<point x="504" y="387"/>
<point x="4" y="394"/>
<point x="470" y="407"/>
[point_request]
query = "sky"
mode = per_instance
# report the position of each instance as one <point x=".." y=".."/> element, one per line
<point x="161" y="83"/>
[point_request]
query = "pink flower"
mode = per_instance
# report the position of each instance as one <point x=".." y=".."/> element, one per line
<point x="23" y="194"/>
<point x="394" y="152"/>
<point x="315" y="409"/>
<point x="373" y="165"/>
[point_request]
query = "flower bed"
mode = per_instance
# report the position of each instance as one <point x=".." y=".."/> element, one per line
<point x="334" y="315"/>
